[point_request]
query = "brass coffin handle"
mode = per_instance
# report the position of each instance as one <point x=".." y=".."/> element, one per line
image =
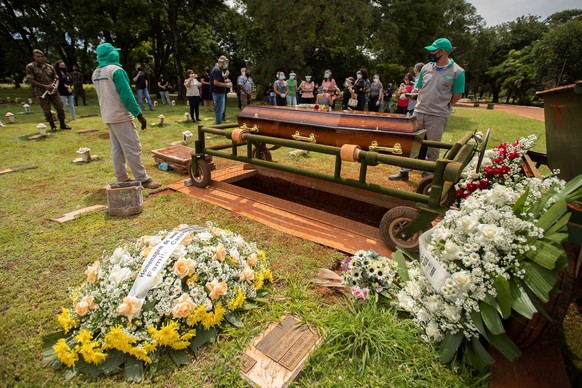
<point x="309" y="139"/>
<point x="254" y="129"/>
<point x="397" y="149"/>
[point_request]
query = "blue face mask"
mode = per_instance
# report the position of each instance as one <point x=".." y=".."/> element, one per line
<point x="225" y="66"/>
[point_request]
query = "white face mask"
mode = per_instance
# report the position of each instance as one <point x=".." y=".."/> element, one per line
<point x="281" y="77"/>
<point x="308" y="78"/>
<point x="326" y="75"/>
<point x="292" y="77"/>
<point x="358" y="76"/>
<point x="376" y="80"/>
<point x="346" y="84"/>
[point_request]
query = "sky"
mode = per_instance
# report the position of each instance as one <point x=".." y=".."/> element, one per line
<point x="495" y="12"/>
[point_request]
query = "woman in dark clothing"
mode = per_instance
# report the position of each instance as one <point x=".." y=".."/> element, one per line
<point x="206" y="95"/>
<point x="65" y="87"/>
<point x="362" y="87"/>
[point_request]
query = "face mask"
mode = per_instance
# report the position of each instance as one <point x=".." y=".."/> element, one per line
<point x="248" y="74"/>
<point x="358" y="76"/>
<point x="326" y="75"/>
<point x="432" y="57"/>
<point x="138" y="69"/>
<point x="225" y="66"/>
<point x="308" y="79"/>
<point x="376" y="80"/>
<point x="281" y="77"/>
<point x="291" y="77"/>
<point x="346" y="84"/>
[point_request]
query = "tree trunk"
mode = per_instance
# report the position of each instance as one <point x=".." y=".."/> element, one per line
<point x="173" y="23"/>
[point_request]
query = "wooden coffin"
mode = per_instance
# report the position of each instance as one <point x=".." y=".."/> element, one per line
<point x="337" y="128"/>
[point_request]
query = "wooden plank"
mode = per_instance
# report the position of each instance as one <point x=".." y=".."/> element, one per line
<point x="19" y="168"/>
<point x="87" y="130"/>
<point x="72" y="215"/>
<point x="530" y="168"/>
<point x="39" y="136"/>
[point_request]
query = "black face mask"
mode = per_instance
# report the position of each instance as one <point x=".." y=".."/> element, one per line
<point x="138" y="69"/>
<point x="432" y="57"/>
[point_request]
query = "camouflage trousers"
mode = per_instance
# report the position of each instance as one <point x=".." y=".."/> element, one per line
<point x="45" y="104"/>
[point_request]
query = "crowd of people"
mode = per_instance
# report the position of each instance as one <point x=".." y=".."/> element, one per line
<point x="426" y="93"/>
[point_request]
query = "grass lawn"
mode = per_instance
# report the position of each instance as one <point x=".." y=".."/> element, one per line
<point x="42" y="259"/>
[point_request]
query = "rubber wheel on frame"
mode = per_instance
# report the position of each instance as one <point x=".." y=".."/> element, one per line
<point x="262" y="153"/>
<point x="393" y="222"/>
<point x="203" y="178"/>
<point x="426" y="184"/>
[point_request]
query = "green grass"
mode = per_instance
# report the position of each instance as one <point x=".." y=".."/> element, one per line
<point x="41" y="259"/>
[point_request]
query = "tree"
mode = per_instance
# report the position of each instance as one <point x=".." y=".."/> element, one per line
<point x="558" y="55"/>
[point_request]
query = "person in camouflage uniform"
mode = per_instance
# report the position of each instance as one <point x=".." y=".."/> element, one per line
<point x="42" y="77"/>
<point x="78" y="90"/>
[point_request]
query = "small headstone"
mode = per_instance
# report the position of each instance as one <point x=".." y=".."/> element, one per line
<point x="276" y="356"/>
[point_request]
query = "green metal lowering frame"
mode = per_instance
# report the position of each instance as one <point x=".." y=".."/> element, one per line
<point x="447" y="170"/>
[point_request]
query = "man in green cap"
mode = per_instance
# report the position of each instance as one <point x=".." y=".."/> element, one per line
<point x="118" y="108"/>
<point x="440" y="84"/>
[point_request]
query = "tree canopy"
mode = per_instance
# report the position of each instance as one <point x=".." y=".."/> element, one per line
<point x="385" y="36"/>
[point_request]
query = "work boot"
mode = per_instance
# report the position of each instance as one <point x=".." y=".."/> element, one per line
<point x="401" y="176"/>
<point x="151" y="184"/>
<point x="53" y="126"/>
<point x="64" y="125"/>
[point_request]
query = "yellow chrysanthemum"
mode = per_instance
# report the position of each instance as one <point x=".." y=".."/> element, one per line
<point x="197" y="315"/>
<point x="269" y="275"/>
<point x="65" y="319"/>
<point x="214" y="318"/>
<point x="84" y="336"/>
<point x="168" y="335"/>
<point x="232" y="260"/>
<point x="259" y="280"/>
<point x="65" y="354"/>
<point x="238" y="301"/>
<point x="192" y="280"/>
<point x="149" y="347"/>
<point x="91" y="352"/>
<point x="262" y="255"/>
<point x="118" y="339"/>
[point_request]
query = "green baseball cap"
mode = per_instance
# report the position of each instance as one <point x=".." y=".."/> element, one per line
<point x="442" y="44"/>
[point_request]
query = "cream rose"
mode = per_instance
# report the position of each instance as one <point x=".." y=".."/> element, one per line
<point x="432" y="304"/>
<point x="216" y="288"/>
<point x="130" y="307"/>
<point x="451" y="248"/>
<point x="183" y="306"/>
<point x="467" y="223"/>
<point x="184" y="267"/>
<point x="453" y="313"/>
<point x="252" y="260"/>
<point x="432" y="330"/>
<point x="461" y="278"/>
<point x="219" y="253"/>
<point x="85" y="305"/>
<point x="488" y="231"/>
<point x="187" y="240"/>
<point x="92" y="272"/>
<point x="247" y="274"/>
<point x="119" y="274"/>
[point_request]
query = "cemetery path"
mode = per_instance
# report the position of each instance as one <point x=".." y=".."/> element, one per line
<point x="532" y="112"/>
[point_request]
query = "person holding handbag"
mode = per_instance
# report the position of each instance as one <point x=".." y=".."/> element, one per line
<point x="362" y="87"/>
<point x="349" y="99"/>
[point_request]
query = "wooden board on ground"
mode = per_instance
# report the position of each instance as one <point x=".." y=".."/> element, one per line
<point x="178" y="157"/>
<point x="87" y="130"/>
<point x="72" y="215"/>
<point x="18" y="168"/>
<point x="39" y="136"/>
<point x="289" y="217"/>
<point x="277" y="355"/>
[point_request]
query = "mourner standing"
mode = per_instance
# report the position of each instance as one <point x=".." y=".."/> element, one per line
<point x="78" y="81"/>
<point x="44" y="81"/>
<point x="142" y="84"/>
<point x="440" y="84"/>
<point x="118" y="108"/>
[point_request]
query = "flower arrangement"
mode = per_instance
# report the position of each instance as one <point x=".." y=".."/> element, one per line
<point x="502" y="164"/>
<point x="165" y="292"/>
<point x="367" y="272"/>
<point x="497" y="255"/>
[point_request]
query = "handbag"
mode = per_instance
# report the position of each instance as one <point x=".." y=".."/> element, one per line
<point x="353" y="102"/>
